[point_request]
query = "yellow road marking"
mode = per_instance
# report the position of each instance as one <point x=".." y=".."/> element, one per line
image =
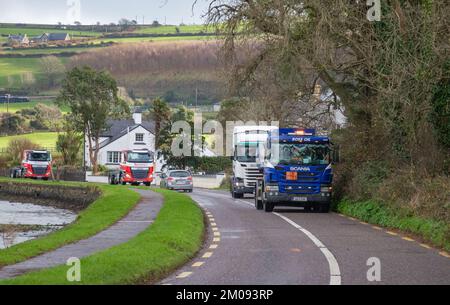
<point x="216" y="234"/>
<point x="445" y="254"/>
<point x="207" y="255"/>
<point x="363" y="223"/>
<point x="391" y="233"/>
<point x="213" y="224"/>
<point x="184" y="275"/>
<point x="216" y="240"/>
<point x="296" y="250"/>
<point x="215" y="229"/>
<point x="377" y="228"/>
<point x="213" y="246"/>
<point x="198" y="264"/>
<point x="212" y="220"/>
<point x="408" y="239"/>
<point x="425" y="246"/>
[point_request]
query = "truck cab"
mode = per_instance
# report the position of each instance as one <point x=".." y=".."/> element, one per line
<point x="296" y="171"/>
<point x="36" y="164"/>
<point x="136" y="168"/>
<point x="246" y="144"/>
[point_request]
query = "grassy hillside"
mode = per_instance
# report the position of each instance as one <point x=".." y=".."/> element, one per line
<point x="39" y="31"/>
<point x="44" y="139"/>
<point x="154" y="69"/>
<point x="172" y="29"/>
<point x="20" y="106"/>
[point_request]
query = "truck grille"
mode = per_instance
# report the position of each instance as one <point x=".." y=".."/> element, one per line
<point x="39" y="170"/>
<point x="251" y="175"/>
<point x="140" y="173"/>
<point x="300" y="189"/>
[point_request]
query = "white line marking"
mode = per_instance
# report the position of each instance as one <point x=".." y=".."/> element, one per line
<point x="207" y="255"/>
<point x="335" y="273"/>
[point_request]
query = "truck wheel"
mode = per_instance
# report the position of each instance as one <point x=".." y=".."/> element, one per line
<point x="258" y="202"/>
<point x="268" y="206"/>
<point x="147" y="183"/>
<point x="325" y="208"/>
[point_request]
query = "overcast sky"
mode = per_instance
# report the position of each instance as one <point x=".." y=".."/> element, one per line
<point x="104" y="11"/>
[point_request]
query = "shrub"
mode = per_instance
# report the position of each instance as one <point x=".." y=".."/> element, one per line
<point x="15" y="149"/>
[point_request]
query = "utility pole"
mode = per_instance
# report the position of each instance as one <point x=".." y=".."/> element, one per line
<point x="8" y="96"/>
<point x="196" y="97"/>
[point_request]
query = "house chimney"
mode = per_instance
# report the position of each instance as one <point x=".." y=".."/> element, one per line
<point x="137" y="117"/>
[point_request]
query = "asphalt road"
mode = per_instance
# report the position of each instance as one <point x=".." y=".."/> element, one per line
<point x="250" y="247"/>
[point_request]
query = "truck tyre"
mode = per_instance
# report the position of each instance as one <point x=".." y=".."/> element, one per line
<point x="268" y="206"/>
<point x="147" y="184"/>
<point x="258" y="201"/>
<point x="325" y="208"/>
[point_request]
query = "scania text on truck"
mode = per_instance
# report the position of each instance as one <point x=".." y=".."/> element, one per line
<point x="246" y="142"/>
<point x="136" y="168"/>
<point x="36" y="164"/>
<point x="296" y="171"/>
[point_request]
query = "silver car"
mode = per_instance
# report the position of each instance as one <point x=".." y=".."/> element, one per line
<point x="178" y="180"/>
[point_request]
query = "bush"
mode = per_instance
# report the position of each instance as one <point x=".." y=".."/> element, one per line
<point x="15" y="149"/>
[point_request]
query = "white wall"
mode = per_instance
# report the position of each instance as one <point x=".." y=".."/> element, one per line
<point x="127" y="142"/>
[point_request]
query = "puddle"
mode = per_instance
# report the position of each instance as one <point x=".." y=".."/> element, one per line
<point x="31" y="215"/>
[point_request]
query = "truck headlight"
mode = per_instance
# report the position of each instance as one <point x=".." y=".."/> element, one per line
<point x="326" y="189"/>
<point x="272" y="188"/>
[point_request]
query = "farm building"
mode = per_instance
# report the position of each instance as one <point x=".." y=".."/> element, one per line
<point x="18" y="39"/>
<point x="51" y="37"/>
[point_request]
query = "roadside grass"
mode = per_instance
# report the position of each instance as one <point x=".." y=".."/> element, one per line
<point x="13" y="108"/>
<point x="114" y="203"/>
<point x="436" y="232"/>
<point x="174" y="238"/>
<point x="43" y="139"/>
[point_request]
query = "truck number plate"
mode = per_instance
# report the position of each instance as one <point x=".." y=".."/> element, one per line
<point x="300" y="199"/>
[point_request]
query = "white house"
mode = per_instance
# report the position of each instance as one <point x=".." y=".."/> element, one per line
<point x="123" y="135"/>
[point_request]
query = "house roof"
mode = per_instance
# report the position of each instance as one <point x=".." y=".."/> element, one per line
<point x="57" y="36"/>
<point x="119" y="128"/>
<point x="17" y="37"/>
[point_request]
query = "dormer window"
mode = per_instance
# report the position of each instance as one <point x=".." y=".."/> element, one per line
<point x="139" y="137"/>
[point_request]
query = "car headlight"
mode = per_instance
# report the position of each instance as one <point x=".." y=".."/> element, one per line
<point x="272" y="188"/>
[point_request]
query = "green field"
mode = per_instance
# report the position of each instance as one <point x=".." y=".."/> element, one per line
<point x="39" y="31"/>
<point x="155" y="39"/>
<point x="49" y="51"/>
<point x="44" y="139"/>
<point x="171" y="29"/>
<point x="20" y="106"/>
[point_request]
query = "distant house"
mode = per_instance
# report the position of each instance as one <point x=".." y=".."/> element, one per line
<point x="18" y="39"/>
<point x="52" y="37"/>
<point x="123" y="135"/>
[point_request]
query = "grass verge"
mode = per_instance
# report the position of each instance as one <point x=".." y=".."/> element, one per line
<point x="436" y="232"/>
<point x="114" y="203"/>
<point x="173" y="239"/>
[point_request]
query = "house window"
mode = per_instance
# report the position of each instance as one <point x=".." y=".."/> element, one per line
<point x="139" y="137"/>
<point x="113" y="157"/>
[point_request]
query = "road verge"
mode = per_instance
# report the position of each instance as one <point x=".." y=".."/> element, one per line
<point x="435" y="232"/>
<point x="171" y="241"/>
<point x="112" y="205"/>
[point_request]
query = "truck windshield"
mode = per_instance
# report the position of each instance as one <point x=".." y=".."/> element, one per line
<point x="301" y="154"/>
<point x="140" y="157"/>
<point x="39" y="157"/>
<point x="246" y="154"/>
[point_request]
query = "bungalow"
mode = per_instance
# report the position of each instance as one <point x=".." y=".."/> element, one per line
<point x="18" y="39"/>
<point x="120" y="136"/>
<point x="52" y="37"/>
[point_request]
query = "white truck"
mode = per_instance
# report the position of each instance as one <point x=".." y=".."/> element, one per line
<point x="246" y="170"/>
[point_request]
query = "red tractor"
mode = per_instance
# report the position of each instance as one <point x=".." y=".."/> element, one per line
<point x="36" y="164"/>
<point x="137" y="168"/>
